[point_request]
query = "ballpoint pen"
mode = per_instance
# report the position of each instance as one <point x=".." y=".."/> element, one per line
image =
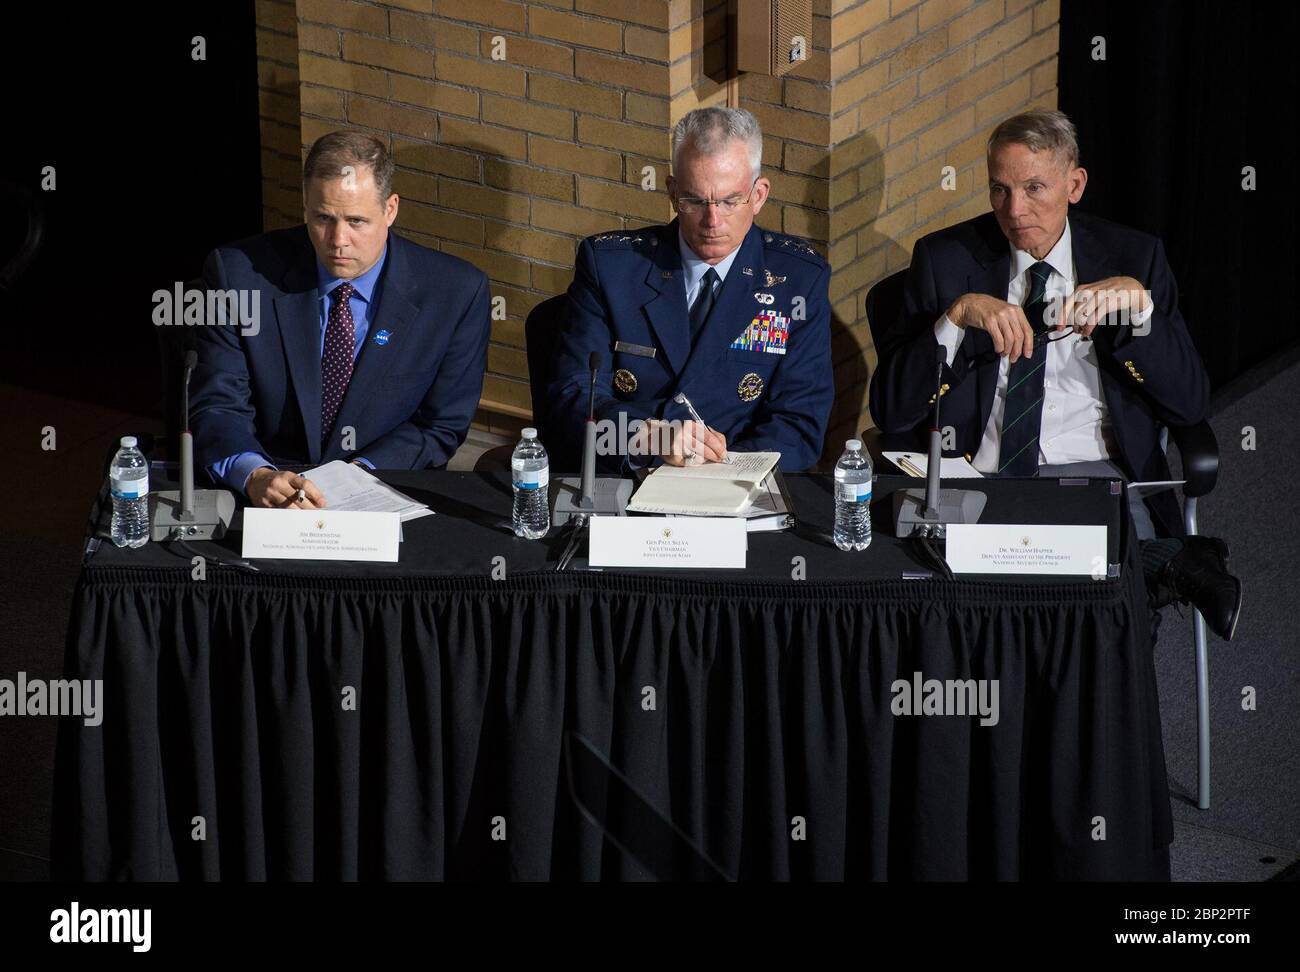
<point x="681" y="399"/>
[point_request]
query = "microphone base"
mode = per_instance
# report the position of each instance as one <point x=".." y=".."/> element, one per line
<point x="955" y="506"/>
<point x="609" y="497"/>
<point x="213" y="511"/>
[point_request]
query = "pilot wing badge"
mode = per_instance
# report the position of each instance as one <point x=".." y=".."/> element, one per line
<point x="769" y="331"/>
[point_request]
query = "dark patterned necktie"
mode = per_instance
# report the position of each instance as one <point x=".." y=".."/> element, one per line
<point x="704" y="301"/>
<point x="1023" y="413"/>
<point x="336" y="362"/>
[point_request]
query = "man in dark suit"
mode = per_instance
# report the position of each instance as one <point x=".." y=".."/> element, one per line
<point x="368" y="347"/>
<point x="709" y="306"/>
<point x="1065" y="349"/>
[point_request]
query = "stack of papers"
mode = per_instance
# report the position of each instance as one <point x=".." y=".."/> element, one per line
<point x="712" y="489"/>
<point x="353" y="488"/>
<point x="917" y="464"/>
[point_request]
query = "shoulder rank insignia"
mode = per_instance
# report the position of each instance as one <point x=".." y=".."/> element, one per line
<point x="799" y="246"/>
<point x="617" y="238"/>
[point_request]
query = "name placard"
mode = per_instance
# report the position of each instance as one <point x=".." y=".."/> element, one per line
<point x="1026" y="548"/>
<point x="667" y="541"/>
<point x="321" y="535"/>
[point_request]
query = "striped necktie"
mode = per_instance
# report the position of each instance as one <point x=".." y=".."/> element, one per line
<point x="1023" y="412"/>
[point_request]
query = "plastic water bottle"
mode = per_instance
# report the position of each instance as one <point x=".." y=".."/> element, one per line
<point x="853" y="498"/>
<point x="129" y="484"/>
<point x="530" y="473"/>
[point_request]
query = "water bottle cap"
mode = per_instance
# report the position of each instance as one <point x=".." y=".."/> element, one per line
<point x="529" y="433"/>
<point x="128" y="442"/>
<point x="853" y="445"/>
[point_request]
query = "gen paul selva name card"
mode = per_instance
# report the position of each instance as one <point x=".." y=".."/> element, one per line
<point x="1024" y="548"/>
<point x="321" y="535"/>
<point x="668" y="541"/>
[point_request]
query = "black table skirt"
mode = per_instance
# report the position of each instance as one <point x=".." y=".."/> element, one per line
<point x="771" y="743"/>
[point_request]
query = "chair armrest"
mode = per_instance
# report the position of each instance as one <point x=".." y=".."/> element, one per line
<point x="498" y="457"/>
<point x="1199" y="450"/>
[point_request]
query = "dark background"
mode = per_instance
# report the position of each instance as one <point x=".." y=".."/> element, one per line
<point x="158" y="161"/>
<point x="1190" y="92"/>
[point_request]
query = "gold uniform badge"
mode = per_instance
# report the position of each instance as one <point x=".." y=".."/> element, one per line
<point x="750" y="387"/>
<point x="625" y="381"/>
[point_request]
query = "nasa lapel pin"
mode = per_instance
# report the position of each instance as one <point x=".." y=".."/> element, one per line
<point x="625" y="381"/>
<point x="382" y="336"/>
<point x="750" y="387"/>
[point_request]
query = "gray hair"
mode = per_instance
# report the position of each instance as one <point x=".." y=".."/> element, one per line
<point x="332" y="153"/>
<point x="710" y="130"/>
<point x="1040" y="129"/>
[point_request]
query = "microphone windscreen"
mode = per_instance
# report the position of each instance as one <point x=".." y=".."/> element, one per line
<point x="593" y="361"/>
<point x="941" y="355"/>
<point x="191" y="359"/>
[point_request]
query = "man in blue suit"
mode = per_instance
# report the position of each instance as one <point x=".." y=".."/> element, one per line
<point x="710" y="306"/>
<point x="369" y="347"/>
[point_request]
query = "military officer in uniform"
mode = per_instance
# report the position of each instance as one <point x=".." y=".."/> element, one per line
<point x="710" y="307"/>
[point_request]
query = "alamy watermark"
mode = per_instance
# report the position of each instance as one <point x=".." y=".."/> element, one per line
<point x="949" y="697"/>
<point x="25" y="696"/>
<point x="207" y="308"/>
<point x="102" y="925"/>
<point x="1121" y="306"/>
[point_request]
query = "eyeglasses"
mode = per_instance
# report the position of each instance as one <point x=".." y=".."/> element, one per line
<point x="1041" y="339"/>
<point x="690" y="205"/>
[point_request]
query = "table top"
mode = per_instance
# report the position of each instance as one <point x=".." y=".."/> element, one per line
<point x="471" y="529"/>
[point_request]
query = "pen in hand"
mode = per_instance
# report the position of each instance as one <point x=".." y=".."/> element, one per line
<point x="681" y="399"/>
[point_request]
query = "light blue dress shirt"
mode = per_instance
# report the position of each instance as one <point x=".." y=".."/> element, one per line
<point x="694" y="269"/>
<point x="235" y="470"/>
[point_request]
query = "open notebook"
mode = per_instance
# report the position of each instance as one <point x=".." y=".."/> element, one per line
<point x="712" y="489"/>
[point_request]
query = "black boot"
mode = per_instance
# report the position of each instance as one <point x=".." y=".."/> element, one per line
<point x="1199" y="574"/>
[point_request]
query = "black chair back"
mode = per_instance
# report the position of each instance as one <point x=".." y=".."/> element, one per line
<point x="17" y="198"/>
<point x="885" y="306"/>
<point x="541" y="334"/>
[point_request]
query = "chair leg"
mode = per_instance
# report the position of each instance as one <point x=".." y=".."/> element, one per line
<point x="1202" y="684"/>
<point x="1202" y="716"/>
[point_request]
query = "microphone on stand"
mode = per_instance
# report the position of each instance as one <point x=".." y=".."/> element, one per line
<point x="189" y="514"/>
<point x="577" y="498"/>
<point x="587" y="499"/>
<point x="926" y="513"/>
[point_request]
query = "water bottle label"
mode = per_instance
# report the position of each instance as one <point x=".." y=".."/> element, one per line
<point x="532" y="479"/>
<point x="853" y="492"/>
<point x="130" y="489"/>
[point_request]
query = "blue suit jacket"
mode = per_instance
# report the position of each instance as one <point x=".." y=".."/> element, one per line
<point x="1146" y="379"/>
<point x="628" y="289"/>
<point x="410" y="399"/>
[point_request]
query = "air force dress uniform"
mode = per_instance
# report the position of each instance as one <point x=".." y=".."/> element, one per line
<point x="758" y="371"/>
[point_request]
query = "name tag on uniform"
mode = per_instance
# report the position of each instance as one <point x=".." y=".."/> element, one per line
<point x="638" y="349"/>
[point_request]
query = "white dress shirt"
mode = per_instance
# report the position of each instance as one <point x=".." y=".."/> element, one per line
<point x="694" y="269"/>
<point x="1075" y="420"/>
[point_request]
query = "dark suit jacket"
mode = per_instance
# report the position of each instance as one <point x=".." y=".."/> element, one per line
<point x="1146" y="380"/>
<point x="627" y="292"/>
<point x="413" y="391"/>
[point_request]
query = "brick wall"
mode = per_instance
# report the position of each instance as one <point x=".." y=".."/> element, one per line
<point x="520" y="127"/>
<point x="279" y="113"/>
